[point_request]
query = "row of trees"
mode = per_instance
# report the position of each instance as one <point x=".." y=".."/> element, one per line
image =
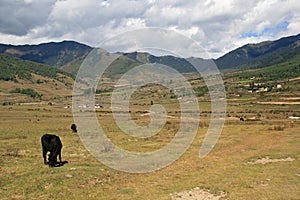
<point x="30" y="92"/>
<point x="274" y="73"/>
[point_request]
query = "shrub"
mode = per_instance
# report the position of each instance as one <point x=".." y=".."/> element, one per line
<point x="278" y="128"/>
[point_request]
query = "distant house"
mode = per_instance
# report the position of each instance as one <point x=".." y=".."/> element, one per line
<point x="292" y="117"/>
<point x="237" y="94"/>
<point x="82" y="106"/>
<point x="98" y="105"/>
<point x="254" y="89"/>
<point x="263" y="89"/>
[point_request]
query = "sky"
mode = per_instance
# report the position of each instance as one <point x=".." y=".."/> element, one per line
<point x="218" y="26"/>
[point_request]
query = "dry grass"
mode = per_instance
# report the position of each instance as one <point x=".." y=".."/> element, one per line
<point x="52" y="90"/>
<point x="24" y="176"/>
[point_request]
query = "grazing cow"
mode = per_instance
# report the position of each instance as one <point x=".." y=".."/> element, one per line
<point x="52" y="144"/>
<point x="74" y="128"/>
<point x="242" y="119"/>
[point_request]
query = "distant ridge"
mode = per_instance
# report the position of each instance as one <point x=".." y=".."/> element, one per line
<point x="180" y="64"/>
<point x="261" y="55"/>
<point x="53" y="53"/>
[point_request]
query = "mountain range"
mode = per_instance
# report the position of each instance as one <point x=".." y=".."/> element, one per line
<point x="68" y="55"/>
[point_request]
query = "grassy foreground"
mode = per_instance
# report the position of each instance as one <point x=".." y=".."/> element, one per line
<point x="226" y="169"/>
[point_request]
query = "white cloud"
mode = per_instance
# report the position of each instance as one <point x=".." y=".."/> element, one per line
<point x="18" y="17"/>
<point x="219" y="26"/>
<point x="294" y="26"/>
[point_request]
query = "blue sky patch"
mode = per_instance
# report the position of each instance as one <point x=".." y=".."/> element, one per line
<point x="268" y="31"/>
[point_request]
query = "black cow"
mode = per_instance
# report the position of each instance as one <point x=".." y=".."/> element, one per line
<point x="74" y="128"/>
<point x="52" y="144"/>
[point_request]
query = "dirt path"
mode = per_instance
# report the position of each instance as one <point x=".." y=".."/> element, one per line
<point x="279" y="103"/>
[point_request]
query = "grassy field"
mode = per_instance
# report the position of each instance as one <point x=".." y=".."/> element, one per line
<point x="267" y="134"/>
<point x="226" y="169"/>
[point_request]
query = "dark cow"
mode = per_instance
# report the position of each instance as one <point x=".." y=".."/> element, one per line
<point x="52" y="144"/>
<point x="74" y="128"/>
<point x="242" y="119"/>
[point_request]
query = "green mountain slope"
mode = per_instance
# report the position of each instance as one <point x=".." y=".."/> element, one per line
<point x="12" y="68"/>
<point x="279" y="72"/>
<point x="261" y="55"/>
<point x="23" y="81"/>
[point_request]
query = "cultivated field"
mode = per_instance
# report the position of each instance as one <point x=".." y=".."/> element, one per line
<point x="258" y="158"/>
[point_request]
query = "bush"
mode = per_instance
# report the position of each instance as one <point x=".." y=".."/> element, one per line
<point x="39" y="81"/>
<point x="7" y="103"/>
<point x="201" y="91"/>
<point x="278" y="128"/>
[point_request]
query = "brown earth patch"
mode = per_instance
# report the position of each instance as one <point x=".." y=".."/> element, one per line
<point x="269" y="160"/>
<point x="197" y="194"/>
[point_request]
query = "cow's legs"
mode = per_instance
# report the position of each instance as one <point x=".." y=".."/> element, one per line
<point x="44" y="155"/>
<point x="59" y="156"/>
<point x="52" y="159"/>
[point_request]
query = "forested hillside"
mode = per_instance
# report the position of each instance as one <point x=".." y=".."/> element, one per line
<point x="12" y="68"/>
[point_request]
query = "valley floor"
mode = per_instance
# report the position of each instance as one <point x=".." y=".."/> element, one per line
<point x="232" y="170"/>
